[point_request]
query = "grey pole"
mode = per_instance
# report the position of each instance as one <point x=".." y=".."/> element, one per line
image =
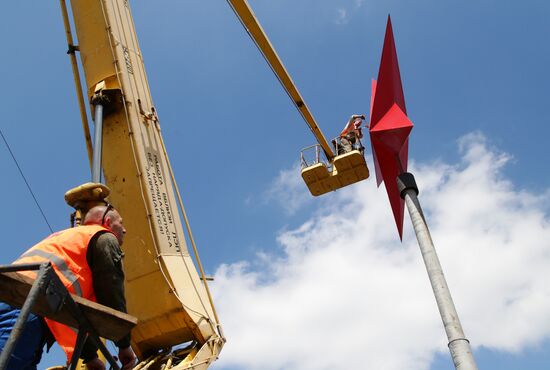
<point x="459" y="346"/>
<point x="98" y="143"/>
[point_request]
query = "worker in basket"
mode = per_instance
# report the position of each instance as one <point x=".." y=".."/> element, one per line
<point x="351" y="135"/>
<point x="88" y="261"/>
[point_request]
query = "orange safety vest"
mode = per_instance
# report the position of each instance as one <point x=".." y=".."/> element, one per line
<point x="66" y="250"/>
<point x="352" y="125"/>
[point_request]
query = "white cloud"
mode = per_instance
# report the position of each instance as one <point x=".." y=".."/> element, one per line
<point x="345" y="293"/>
<point x="343" y="14"/>
<point x="289" y="190"/>
<point x="342" y="17"/>
<point x="359" y="3"/>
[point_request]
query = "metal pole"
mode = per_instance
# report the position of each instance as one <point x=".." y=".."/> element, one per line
<point x="19" y="326"/>
<point x="80" y="340"/>
<point x="20" y="267"/>
<point x="99" y="344"/>
<point x="98" y="143"/>
<point x="76" y="76"/>
<point x="459" y="346"/>
<point x="317" y="154"/>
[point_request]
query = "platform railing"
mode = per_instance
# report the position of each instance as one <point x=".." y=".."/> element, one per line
<point x="339" y="148"/>
<point x="313" y="154"/>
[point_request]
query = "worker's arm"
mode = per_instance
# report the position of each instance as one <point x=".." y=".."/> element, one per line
<point x="105" y="260"/>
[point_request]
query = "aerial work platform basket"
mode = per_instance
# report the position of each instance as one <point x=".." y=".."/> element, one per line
<point x="322" y="175"/>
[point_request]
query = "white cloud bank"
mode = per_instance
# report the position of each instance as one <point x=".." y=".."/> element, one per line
<point x="346" y="294"/>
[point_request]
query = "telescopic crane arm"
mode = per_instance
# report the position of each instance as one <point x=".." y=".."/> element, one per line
<point x="164" y="290"/>
<point x="256" y="32"/>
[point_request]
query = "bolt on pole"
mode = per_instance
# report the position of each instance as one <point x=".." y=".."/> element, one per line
<point x="459" y="346"/>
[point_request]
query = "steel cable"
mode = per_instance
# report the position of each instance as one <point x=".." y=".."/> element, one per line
<point x="25" y="179"/>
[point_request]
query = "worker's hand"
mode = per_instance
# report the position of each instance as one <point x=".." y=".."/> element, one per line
<point x="127" y="358"/>
<point x="95" y="364"/>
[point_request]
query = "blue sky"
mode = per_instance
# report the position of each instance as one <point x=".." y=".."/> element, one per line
<point x="475" y="76"/>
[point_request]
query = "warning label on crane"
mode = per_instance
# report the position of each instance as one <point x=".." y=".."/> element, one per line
<point x="162" y="213"/>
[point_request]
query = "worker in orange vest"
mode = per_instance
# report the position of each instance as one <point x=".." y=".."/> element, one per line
<point x="350" y="135"/>
<point x="88" y="261"/>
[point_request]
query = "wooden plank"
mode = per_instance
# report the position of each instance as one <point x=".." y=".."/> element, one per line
<point x="108" y="323"/>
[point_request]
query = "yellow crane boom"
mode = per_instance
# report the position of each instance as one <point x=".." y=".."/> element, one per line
<point x="258" y="35"/>
<point x="163" y="288"/>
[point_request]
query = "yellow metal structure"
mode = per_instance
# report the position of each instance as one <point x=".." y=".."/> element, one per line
<point x="342" y="170"/>
<point x="250" y="22"/>
<point x="163" y="288"/>
<point x="346" y="169"/>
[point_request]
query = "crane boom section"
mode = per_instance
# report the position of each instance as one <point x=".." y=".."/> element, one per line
<point x="248" y="19"/>
<point x="163" y="287"/>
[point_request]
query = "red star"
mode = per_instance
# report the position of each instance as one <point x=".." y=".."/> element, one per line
<point x="390" y="127"/>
